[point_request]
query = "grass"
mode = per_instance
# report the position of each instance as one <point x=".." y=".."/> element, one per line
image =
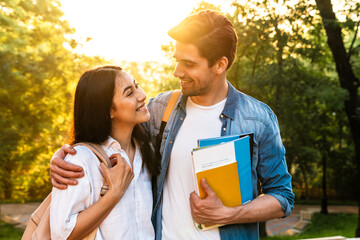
<point x="9" y="232"/>
<point x="334" y="224"/>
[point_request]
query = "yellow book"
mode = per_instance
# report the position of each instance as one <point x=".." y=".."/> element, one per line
<point x="224" y="181"/>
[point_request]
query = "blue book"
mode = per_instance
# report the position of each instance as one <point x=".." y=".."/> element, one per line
<point x="243" y="149"/>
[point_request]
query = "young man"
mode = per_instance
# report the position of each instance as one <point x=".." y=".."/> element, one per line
<point x="209" y="106"/>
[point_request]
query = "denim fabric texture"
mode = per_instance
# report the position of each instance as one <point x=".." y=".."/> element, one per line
<point x="242" y="114"/>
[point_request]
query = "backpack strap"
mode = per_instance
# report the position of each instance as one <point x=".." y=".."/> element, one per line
<point x="102" y="156"/>
<point x="168" y="110"/>
<point x="98" y="151"/>
<point x="170" y="105"/>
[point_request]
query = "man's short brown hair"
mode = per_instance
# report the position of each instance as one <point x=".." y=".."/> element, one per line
<point x="211" y="32"/>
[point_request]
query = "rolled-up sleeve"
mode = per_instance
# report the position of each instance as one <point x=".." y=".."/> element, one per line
<point x="67" y="204"/>
<point x="272" y="168"/>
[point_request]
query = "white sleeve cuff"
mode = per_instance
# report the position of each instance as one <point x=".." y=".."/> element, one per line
<point x="70" y="225"/>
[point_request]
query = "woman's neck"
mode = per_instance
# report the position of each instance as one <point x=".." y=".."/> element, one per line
<point x="123" y="136"/>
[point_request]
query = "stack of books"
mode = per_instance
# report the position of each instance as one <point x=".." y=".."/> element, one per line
<point x="225" y="163"/>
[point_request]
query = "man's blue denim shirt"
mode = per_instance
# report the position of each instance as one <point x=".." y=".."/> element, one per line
<point x="242" y="114"/>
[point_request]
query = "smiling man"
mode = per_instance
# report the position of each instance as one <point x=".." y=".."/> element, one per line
<point x="210" y="106"/>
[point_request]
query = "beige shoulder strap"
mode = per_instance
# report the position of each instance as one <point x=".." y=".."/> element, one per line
<point x="171" y="104"/>
<point x="98" y="151"/>
<point x="102" y="156"/>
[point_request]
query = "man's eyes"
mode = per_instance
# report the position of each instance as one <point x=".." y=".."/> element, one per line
<point x="187" y="64"/>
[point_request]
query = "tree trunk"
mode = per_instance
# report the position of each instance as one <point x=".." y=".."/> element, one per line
<point x="324" y="203"/>
<point x="262" y="230"/>
<point x="347" y="80"/>
<point x="262" y="225"/>
<point x="303" y="171"/>
<point x="7" y="188"/>
<point x="255" y="61"/>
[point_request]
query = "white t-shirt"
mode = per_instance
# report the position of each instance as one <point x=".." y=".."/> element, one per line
<point x="131" y="216"/>
<point x="177" y="222"/>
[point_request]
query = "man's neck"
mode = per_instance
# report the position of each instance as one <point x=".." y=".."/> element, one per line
<point x="216" y="95"/>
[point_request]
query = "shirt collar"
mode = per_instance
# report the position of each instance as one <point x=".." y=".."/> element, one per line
<point x="109" y="143"/>
<point x="182" y="101"/>
<point x="229" y="109"/>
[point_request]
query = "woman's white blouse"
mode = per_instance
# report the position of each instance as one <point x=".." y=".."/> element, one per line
<point x="131" y="216"/>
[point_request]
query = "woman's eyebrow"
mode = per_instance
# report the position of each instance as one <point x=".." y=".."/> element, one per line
<point x="129" y="87"/>
<point x="125" y="89"/>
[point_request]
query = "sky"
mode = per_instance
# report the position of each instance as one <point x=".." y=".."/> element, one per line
<point x="129" y="30"/>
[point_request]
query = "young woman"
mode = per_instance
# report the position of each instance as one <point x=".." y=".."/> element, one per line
<point x="109" y="106"/>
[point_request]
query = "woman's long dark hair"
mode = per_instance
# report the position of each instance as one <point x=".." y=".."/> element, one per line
<point x="92" y="123"/>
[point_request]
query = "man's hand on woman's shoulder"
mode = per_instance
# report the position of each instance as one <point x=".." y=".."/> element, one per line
<point x="63" y="173"/>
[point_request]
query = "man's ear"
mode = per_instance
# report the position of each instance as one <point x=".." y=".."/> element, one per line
<point x="221" y="65"/>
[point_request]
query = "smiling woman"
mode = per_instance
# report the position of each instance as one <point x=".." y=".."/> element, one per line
<point x="109" y="106"/>
<point x="127" y="30"/>
<point x="129" y="106"/>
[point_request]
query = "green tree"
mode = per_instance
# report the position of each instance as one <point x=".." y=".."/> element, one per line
<point x="347" y="77"/>
<point x="37" y="74"/>
<point x="283" y="60"/>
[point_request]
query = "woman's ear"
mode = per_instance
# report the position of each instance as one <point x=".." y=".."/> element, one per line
<point x="112" y="112"/>
<point x="221" y="65"/>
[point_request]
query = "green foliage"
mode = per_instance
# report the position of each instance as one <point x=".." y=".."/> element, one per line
<point x="203" y="5"/>
<point x="283" y="59"/>
<point x="37" y="73"/>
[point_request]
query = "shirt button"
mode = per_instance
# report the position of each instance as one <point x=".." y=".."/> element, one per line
<point x="224" y="129"/>
<point x="181" y="118"/>
<point x="221" y="115"/>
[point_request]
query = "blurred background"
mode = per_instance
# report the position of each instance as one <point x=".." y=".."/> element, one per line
<point x="302" y="58"/>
